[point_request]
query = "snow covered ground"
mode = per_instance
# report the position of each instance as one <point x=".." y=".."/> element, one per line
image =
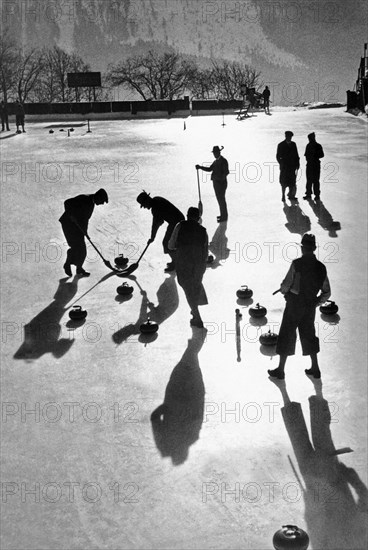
<point x="83" y="466"/>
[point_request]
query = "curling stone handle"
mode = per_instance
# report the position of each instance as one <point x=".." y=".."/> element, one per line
<point x="293" y="529"/>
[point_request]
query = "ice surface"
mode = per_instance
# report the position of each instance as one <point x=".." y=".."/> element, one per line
<point x="173" y="473"/>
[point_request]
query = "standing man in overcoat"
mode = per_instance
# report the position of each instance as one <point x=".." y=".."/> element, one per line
<point x="288" y="158"/>
<point x="190" y="240"/>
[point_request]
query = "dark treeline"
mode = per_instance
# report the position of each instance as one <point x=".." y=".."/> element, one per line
<point x="40" y="76"/>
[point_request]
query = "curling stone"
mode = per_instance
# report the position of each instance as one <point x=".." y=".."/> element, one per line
<point x="120" y="261"/>
<point x="61" y="130"/>
<point x="51" y="131"/>
<point x="290" y="537"/>
<point x="258" y="311"/>
<point x="124" y="289"/>
<point x="72" y="129"/>
<point x="148" y="327"/>
<point x="268" y="339"/>
<point x="329" y="309"/>
<point x="77" y="313"/>
<point x="244" y="292"/>
<point x="210" y="259"/>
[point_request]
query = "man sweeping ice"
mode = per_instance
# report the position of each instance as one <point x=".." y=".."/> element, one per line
<point x="74" y="223"/>
<point x="162" y="211"/>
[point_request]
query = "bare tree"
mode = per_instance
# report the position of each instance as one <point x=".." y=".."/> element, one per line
<point x="153" y="76"/>
<point x="202" y="85"/>
<point x="29" y="68"/>
<point x="9" y="56"/>
<point x="228" y="77"/>
<point x="46" y="87"/>
<point x="52" y="84"/>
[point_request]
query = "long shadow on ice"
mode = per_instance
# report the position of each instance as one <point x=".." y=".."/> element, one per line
<point x="177" y="422"/>
<point x="41" y="334"/>
<point x="335" y="497"/>
<point x="168" y="301"/>
<point x="325" y="219"/>
<point x="297" y="221"/>
<point x="218" y="245"/>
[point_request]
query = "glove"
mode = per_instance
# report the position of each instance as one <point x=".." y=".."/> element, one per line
<point x="198" y="166"/>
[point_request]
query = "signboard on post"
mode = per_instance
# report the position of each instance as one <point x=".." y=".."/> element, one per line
<point x="84" y="80"/>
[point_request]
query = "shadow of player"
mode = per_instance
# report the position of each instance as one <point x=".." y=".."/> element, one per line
<point x="334" y="517"/>
<point x="41" y="334"/>
<point x="168" y="301"/>
<point x="297" y="221"/>
<point x="177" y="422"/>
<point x="8" y="136"/>
<point x="324" y="218"/>
<point x="218" y="245"/>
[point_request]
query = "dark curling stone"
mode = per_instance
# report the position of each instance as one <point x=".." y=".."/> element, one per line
<point x="258" y="311"/>
<point x="72" y="129"/>
<point x="330" y="309"/>
<point x="290" y="537"/>
<point x="148" y="327"/>
<point x="120" y="260"/>
<point x="77" y="313"/>
<point x="244" y="292"/>
<point x="124" y="289"/>
<point x="51" y="131"/>
<point x="61" y="130"/>
<point x="268" y="339"/>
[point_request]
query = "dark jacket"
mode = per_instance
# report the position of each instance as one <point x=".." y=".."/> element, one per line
<point x="312" y="274"/>
<point x="19" y="109"/>
<point x="164" y="211"/>
<point x="287" y="155"/>
<point x="3" y="109"/>
<point x="81" y="208"/>
<point x="219" y="169"/>
<point x="314" y="152"/>
<point x="191" y="233"/>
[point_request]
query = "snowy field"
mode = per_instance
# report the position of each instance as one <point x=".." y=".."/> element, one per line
<point x="83" y="466"/>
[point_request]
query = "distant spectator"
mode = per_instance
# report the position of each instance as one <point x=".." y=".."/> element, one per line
<point x="266" y="99"/>
<point x="4" y="116"/>
<point x="19" y="116"/>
